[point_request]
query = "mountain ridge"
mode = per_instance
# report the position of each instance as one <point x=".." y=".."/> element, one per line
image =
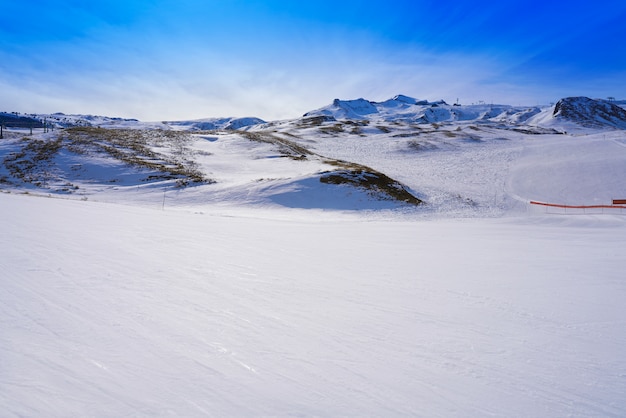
<point x="580" y="110"/>
<point x="593" y="113"/>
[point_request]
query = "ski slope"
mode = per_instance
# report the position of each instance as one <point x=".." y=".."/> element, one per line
<point x="269" y="293"/>
<point x="111" y="310"/>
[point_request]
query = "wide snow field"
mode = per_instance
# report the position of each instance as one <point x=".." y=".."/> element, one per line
<point x="117" y="311"/>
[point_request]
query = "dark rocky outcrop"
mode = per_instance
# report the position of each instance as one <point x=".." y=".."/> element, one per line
<point x="591" y="113"/>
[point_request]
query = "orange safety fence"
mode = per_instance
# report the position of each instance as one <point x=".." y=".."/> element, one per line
<point x="554" y="205"/>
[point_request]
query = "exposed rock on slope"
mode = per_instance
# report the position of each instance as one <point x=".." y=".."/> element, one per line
<point x="590" y="113"/>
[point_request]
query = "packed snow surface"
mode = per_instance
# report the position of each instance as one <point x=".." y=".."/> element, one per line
<point x="125" y="311"/>
<point x="269" y="293"/>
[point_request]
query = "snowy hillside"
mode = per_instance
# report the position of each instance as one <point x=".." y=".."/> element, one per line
<point x="366" y="259"/>
<point x="353" y="154"/>
<point x="61" y="120"/>
<point x="214" y="124"/>
<point x="593" y="113"/>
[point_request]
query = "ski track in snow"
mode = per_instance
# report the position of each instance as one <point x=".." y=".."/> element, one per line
<point x="118" y="311"/>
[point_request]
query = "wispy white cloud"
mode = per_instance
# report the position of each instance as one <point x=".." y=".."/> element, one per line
<point x="187" y="84"/>
<point x="155" y="64"/>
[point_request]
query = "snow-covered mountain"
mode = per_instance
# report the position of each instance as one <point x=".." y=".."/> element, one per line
<point x="580" y="110"/>
<point x="407" y="109"/>
<point x="592" y="113"/>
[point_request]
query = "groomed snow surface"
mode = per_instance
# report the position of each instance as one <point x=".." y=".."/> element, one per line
<point x="240" y="309"/>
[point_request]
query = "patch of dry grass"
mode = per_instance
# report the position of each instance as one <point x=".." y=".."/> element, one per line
<point x="165" y="153"/>
<point x="140" y="148"/>
<point x="376" y="183"/>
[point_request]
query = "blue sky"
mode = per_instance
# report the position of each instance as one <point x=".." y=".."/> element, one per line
<point x="187" y="59"/>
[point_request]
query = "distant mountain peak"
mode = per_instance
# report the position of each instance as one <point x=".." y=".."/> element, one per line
<point x="404" y="99"/>
<point x="359" y="106"/>
<point x="409" y="109"/>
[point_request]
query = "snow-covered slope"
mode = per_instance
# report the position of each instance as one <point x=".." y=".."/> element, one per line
<point x="109" y="310"/>
<point x="592" y="113"/>
<point x="61" y="120"/>
<point x="232" y="166"/>
<point x="160" y="271"/>
<point x="352" y="155"/>
<point x="211" y="124"/>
